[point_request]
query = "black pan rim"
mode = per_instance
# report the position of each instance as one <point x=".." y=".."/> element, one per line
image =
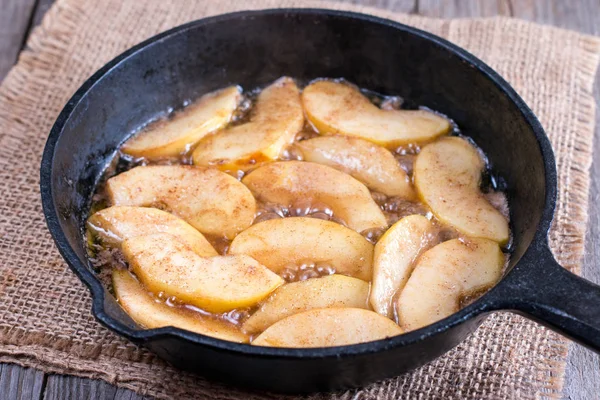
<point x="140" y="336"/>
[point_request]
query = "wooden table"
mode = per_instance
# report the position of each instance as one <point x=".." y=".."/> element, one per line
<point x="17" y="17"/>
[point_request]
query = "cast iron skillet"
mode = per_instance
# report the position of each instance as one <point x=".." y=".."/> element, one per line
<point x="255" y="48"/>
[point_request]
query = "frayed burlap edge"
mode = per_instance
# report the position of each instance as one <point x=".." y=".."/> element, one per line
<point x="580" y="163"/>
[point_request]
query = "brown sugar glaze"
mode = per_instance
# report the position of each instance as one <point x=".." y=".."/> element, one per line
<point x="104" y="258"/>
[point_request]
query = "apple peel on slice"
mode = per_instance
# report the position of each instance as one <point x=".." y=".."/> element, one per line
<point x="326" y="327"/>
<point x="371" y="164"/>
<point x="174" y="136"/>
<point x="276" y="119"/>
<point x="443" y="276"/>
<point x="394" y="259"/>
<point x="336" y="108"/>
<point x="277" y="243"/>
<point x="149" y="313"/>
<point x="293" y="298"/>
<point x="211" y="201"/>
<point x="285" y="181"/>
<point x="447" y="176"/>
<point x="216" y="284"/>
<point x="115" y="224"/>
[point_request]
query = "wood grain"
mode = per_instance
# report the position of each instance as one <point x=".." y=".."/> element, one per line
<point x="60" y="387"/>
<point x="15" y="17"/>
<point x="404" y="6"/>
<point x="40" y="10"/>
<point x="17" y="383"/>
<point x="463" y="8"/>
<point x="580" y="15"/>
<point x="582" y="380"/>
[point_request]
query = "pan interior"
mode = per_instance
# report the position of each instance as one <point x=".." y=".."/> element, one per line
<point x="204" y="57"/>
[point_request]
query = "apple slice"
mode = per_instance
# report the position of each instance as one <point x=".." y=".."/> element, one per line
<point x="293" y="298"/>
<point x="216" y="284"/>
<point x="276" y="118"/>
<point x="277" y="243"/>
<point x="371" y="164"/>
<point x="174" y="136"/>
<point x="117" y="223"/>
<point x="326" y="327"/>
<point x="443" y="276"/>
<point x="338" y="108"/>
<point x="447" y="177"/>
<point x="394" y="259"/>
<point x="285" y="181"/>
<point x="211" y="201"/>
<point x="149" y="313"/>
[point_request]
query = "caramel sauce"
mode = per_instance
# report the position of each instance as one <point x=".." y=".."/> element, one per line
<point x="104" y="258"/>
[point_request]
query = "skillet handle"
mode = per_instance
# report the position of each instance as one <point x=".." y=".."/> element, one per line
<point x="540" y="289"/>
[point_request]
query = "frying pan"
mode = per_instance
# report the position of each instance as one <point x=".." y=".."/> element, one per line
<point x="255" y="48"/>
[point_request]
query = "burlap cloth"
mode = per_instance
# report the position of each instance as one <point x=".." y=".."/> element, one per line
<point x="45" y="319"/>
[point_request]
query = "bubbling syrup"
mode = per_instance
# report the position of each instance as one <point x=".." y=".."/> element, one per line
<point x="105" y="258"/>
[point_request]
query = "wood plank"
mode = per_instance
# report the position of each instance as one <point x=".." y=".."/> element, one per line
<point x="581" y="15"/>
<point x="17" y="383"/>
<point x="62" y="387"/>
<point x="124" y="394"/>
<point x="404" y="6"/>
<point x="40" y="10"/>
<point x="463" y="8"/>
<point x="15" y="17"/>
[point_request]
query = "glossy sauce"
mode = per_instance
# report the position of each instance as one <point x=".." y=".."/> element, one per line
<point x="104" y="258"/>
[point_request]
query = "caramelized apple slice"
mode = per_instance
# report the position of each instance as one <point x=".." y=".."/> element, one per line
<point x="209" y="200"/>
<point x="371" y="164"/>
<point x="326" y="327"/>
<point x="283" y="182"/>
<point x="277" y="243"/>
<point x="117" y="223"/>
<point x="443" y="276"/>
<point x="293" y="298"/>
<point x="447" y="176"/>
<point x="276" y="118"/>
<point x="149" y="313"/>
<point x="395" y="255"/>
<point x="217" y="284"/>
<point x="174" y="136"/>
<point x="337" y="108"/>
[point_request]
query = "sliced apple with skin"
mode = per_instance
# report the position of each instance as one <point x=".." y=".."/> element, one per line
<point x="327" y="327"/>
<point x="149" y="313"/>
<point x="276" y="119"/>
<point x="277" y="243"/>
<point x="285" y="181"/>
<point x="443" y="276"/>
<point x="371" y="164"/>
<point x="293" y="298"/>
<point x="211" y="201"/>
<point x="174" y="136"/>
<point x="117" y="223"/>
<point x="340" y="109"/>
<point x="216" y="284"/>
<point x="394" y="259"/>
<point x="447" y="176"/>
